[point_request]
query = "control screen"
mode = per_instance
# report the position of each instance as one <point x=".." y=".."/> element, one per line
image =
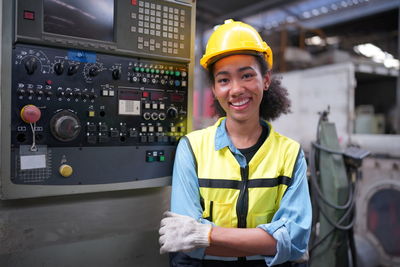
<point x="93" y="19"/>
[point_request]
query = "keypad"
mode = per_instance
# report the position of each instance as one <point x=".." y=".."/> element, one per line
<point x="159" y="27"/>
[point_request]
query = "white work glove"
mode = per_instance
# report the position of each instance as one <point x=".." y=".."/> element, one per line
<point x="182" y="233"/>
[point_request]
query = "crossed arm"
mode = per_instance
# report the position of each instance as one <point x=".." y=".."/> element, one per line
<point x="237" y="242"/>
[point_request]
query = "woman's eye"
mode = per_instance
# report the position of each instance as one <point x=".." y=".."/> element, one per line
<point x="247" y="75"/>
<point x="222" y="80"/>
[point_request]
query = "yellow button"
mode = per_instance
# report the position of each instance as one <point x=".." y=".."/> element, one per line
<point x="91" y="113"/>
<point x="66" y="170"/>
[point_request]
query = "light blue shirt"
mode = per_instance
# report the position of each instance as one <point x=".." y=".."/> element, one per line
<point x="290" y="225"/>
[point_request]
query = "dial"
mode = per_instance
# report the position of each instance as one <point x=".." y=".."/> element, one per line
<point x="92" y="70"/>
<point x="65" y="126"/>
<point x="72" y="69"/>
<point x="31" y="65"/>
<point x="33" y="61"/>
<point x="172" y="112"/>
<point x="59" y="68"/>
<point x="116" y="74"/>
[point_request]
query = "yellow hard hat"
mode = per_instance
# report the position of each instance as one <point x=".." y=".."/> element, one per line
<point x="234" y="36"/>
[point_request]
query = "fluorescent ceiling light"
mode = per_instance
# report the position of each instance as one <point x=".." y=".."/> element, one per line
<point x="377" y="55"/>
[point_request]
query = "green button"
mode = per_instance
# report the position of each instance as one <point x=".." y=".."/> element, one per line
<point x="141" y="69"/>
<point x="167" y="72"/>
<point x="177" y="73"/>
<point x="147" y="70"/>
<point x="157" y="71"/>
<point x="162" y="158"/>
<point x="136" y="69"/>
<point x="150" y="159"/>
<point x="152" y="70"/>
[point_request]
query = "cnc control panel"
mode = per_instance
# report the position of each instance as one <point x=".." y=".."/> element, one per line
<point x="94" y="94"/>
<point x="90" y="100"/>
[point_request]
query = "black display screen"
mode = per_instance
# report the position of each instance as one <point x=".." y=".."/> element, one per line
<point x="92" y="19"/>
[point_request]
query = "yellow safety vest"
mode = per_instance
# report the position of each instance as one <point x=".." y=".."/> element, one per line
<point x="242" y="197"/>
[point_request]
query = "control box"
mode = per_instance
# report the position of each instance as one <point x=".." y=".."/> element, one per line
<point x="95" y="108"/>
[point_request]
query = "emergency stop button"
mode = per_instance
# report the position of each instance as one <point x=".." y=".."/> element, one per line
<point x="30" y="114"/>
<point x="65" y="170"/>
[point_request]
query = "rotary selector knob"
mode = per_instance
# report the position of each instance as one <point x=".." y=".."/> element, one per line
<point x="172" y="112"/>
<point x="116" y="74"/>
<point x="93" y="71"/>
<point x="31" y="65"/>
<point x="65" y="126"/>
<point x="21" y="92"/>
<point x="59" y="68"/>
<point x="72" y="69"/>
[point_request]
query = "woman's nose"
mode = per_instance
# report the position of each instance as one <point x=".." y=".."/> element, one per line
<point x="236" y="88"/>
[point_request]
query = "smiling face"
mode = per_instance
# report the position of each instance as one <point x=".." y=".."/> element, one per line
<point x="239" y="86"/>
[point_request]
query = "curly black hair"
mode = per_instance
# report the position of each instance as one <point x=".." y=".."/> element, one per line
<point x="275" y="101"/>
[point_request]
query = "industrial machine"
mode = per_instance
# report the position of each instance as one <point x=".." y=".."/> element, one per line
<point x="94" y="94"/>
<point x="375" y="221"/>
<point x="333" y="177"/>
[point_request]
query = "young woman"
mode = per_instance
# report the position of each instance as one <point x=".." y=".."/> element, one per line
<point x="239" y="192"/>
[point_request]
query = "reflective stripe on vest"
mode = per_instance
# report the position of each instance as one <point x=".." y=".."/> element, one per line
<point x="232" y="196"/>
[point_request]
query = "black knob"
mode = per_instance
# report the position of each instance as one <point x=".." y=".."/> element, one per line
<point x="65" y="126"/>
<point x="116" y="74"/>
<point x="93" y="71"/>
<point x="21" y="92"/>
<point x="31" y="92"/>
<point x="60" y="93"/>
<point x="72" y="69"/>
<point x="59" y="68"/>
<point x="31" y="65"/>
<point x="49" y="93"/>
<point x="39" y="93"/>
<point x="68" y="93"/>
<point x="172" y="112"/>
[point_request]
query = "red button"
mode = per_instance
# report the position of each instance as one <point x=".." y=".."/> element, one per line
<point x="145" y="94"/>
<point x="49" y="82"/>
<point x="134" y="2"/>
<point x="30" y="114"/>
<point x="29" y="15"/>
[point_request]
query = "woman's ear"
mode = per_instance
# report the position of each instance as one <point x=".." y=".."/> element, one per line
<point x="213" y="90"/>
<point x="267" y="80"/>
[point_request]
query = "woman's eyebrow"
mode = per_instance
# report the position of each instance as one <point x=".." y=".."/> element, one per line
<point x="239" y="70"/>
<point x="245" y="68"/>
<point x="222" y="73"/>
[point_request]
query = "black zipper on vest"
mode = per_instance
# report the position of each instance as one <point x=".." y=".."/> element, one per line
<point x="242" y="205"/>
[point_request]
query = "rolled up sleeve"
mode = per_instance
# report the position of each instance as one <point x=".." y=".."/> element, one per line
<point x="291" y="224"/>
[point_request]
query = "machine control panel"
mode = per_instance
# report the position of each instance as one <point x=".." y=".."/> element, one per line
<point x="92" y="100"/>
<point x="95" y="94"/>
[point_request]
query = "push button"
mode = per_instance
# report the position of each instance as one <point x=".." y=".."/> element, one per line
<point x="65" y="170"/>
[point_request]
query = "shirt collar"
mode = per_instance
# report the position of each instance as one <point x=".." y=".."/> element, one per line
<point x="222" y="138"/>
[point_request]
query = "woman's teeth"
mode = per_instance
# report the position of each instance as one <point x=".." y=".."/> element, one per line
<point x="242" y="102"/>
